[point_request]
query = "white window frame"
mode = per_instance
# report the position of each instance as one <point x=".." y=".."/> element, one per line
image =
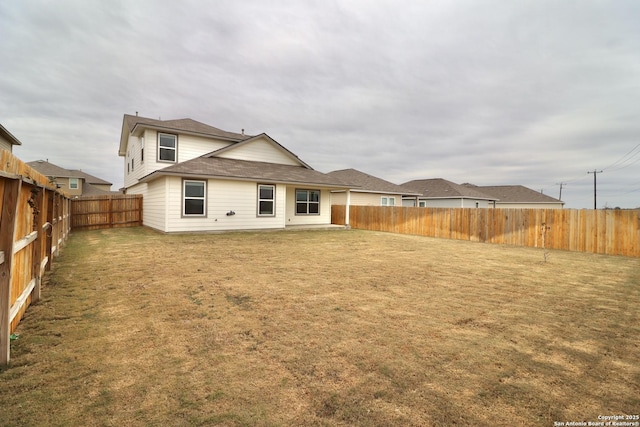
<point x="74" y="183"/>
<point x="272" y="200"/>
<point x="307" y="201"/>
<point x="174" y="149"/>
<point x="387" y="201"/>
<point x="185" y="198"/>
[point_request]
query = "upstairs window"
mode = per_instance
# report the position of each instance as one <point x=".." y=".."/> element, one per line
<point x="307" y="202"/>
<point x="194" y="198"/>
<point x="73" y="183"/>
<point x="167" y="147"/>
<point x="266" y="200"/>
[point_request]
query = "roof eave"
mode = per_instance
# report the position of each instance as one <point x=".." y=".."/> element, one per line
<point x="7" y="135"/>
<point x="157" y="174"/>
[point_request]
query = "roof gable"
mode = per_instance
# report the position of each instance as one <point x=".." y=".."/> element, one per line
<point x="370" y="183"/>
<point x="259" y="148"/>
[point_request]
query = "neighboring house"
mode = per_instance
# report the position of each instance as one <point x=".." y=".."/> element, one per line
<point x="518" y="196"/>
<point x="440" y="193"/>
<point x="195" y="177"/>
<point x="7" y="141"/>
<point x="370" y="190"/>
<point x="72" y="182"/>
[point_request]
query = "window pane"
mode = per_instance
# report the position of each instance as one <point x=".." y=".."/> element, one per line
<point x="314" y="196"/>
<point x="193" y="207"/>
<point x="392" y="201"/>
<point x="167" y="154"/>
<point x="301" y="195"/>
<point x="266" y="192"/>
<point x="193" y="189"/>
<point x="301" y="208"/>
<point x="266" y="208"/>
<point x="168" y="141"/>
<point x="314" y="208"/>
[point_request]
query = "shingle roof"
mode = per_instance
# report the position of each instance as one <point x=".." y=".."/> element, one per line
<point x="89" y="178"/>
<point x="369" y="183"/>
<point x="218" y="167"/>
<point x="438" y="188"/>
<point x="49" y="169"/>
<point x="182" y="125"/>
<point x="90" y="190"/>
<point x="514" y="194"/>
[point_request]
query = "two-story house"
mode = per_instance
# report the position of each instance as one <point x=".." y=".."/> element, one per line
<point x="195" y="177"/>
<point x="73" y="182"/>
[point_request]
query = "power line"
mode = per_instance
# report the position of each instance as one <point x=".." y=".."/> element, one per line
<point x="622" y="159"/>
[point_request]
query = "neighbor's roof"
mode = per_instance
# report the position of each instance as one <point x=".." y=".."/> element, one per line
<point x="89" y="178"/>
<point x="438" y="188"/>
<point x="514" y="194"/>
<point x="91" y="190"/>
<point x="218" y="167"/>
<point x="4" y="133"/>
<point x="49" y="169"/>
<point x="133" y="124"/>
<point x="369" y="183"/>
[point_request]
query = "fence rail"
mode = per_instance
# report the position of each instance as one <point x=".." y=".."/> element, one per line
<point x="613" y="232"/>
<point x="111" y="211"/>
<point x="34" y="223"/>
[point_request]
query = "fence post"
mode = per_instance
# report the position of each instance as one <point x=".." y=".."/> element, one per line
<point x="39" y="226"/>
<point x="10" y="199"/>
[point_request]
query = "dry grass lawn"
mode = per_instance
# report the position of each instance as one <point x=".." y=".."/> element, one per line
<point x="323" y="328"/>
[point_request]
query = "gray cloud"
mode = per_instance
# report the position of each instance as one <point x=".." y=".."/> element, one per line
<point x="533" y="93"/>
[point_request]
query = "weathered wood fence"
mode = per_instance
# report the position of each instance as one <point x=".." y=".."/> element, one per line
<point x="613" y="232"/>
<point x="111" y="211"/>
<point x="34" y="224"/>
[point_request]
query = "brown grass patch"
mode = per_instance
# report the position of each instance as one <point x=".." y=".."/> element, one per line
<point x="323" y="328"/>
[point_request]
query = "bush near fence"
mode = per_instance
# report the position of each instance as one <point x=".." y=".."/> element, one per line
<point x="612" y="232"/>
<point x="34" y="223"/>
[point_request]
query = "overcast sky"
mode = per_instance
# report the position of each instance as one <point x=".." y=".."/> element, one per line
<point x="534" y="92"/>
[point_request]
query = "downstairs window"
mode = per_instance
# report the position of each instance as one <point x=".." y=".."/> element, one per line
<point x="194" y="198"/>
<point x="307" y="202"/>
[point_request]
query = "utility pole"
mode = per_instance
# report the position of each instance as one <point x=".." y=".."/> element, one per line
<point x="561" y="184"/>
<point x="595" y="172"/>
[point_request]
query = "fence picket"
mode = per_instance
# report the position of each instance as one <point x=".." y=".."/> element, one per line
<point x="598" y="231"/>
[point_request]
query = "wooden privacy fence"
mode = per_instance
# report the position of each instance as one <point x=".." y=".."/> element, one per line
<point x="613" y="232"/>
<point x="111" y="211"/>
<point x="33" y="225"/>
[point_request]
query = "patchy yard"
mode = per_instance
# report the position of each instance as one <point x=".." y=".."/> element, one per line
<point x="323" y="328"/>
